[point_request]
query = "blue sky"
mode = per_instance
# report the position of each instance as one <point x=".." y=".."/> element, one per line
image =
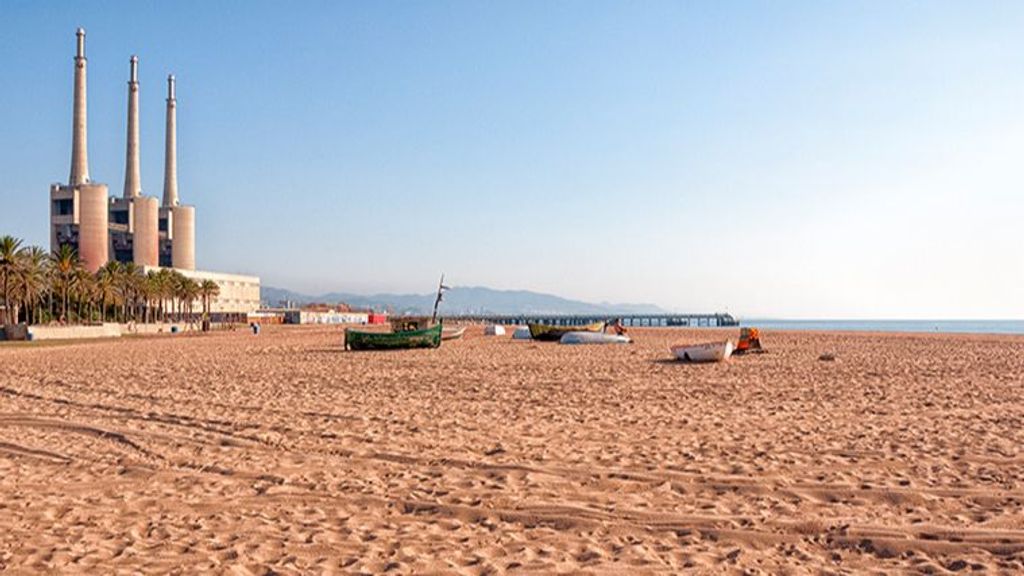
<point x="796" y="159"/>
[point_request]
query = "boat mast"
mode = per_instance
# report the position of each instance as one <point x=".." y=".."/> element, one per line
<point x="440" y="295"/>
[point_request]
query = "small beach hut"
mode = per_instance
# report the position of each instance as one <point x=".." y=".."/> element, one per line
<point x="521" y="333"/>
<point x="494" y="330"/>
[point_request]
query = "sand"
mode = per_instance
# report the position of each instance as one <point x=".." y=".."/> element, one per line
<point x="281" y="452"/>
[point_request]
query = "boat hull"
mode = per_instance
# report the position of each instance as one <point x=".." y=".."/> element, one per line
<point x="547" y="333"/>
<point x="709" y="352"/>
<point x="452" y="333"/>
<point x="593" y="338"/>
<point x="405" y="340"/>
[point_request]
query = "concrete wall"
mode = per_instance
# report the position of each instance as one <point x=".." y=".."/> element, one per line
<point x="166" y="328"/>
<point x="74" y="332"/>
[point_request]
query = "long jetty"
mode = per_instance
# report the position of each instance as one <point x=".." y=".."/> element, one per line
<point x="680" y="320"/>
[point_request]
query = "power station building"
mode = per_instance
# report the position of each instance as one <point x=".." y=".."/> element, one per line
<point x="134" y="227"/>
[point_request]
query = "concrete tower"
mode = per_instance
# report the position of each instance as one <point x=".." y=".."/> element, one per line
<point x="171" y="148"/>
<point x="135" y="217"/>
<point x="79" y="131"/>
<point x="132" y="178"/>
<point x="183" y="239"/>
<point x="180" y="220"/>
<point x="78" y="210"/>
<point x="145" y="236"/>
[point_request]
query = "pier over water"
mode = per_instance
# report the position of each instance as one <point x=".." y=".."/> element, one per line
<point x="656" y="320"/>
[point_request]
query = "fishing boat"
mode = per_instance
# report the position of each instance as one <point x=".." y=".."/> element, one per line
<point x="593" y="338"/>
<point x="452" y="333"/>
<point x="406" y="331"/>
<point x="548" y="333"/>
<point x="708" y="352"/>
<point x="400" y="340"/>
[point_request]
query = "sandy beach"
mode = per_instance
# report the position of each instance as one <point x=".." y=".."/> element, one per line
<point x="244" y="454"/>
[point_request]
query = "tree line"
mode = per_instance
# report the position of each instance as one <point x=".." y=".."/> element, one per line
<point x="39" y="288"/>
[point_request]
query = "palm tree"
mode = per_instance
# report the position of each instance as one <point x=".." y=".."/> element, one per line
<point x="32" y="281"/>
<point x="66" y="265"/>
<point x="85" y="294"/>
<point x="9" y="261"/>
<point x="163" y="290"/>
<point x="177" y="293"/>
<point x="129" y="283"/>
<point x="208" y="289"/>
<point x="188" y="291"/>
<point x="106" y="279"/>
<point x="149" y="295"/>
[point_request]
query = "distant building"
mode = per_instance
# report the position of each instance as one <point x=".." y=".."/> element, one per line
<point x="238" y="294"/>
<point x="316" y="314"/>
<point x="133" y="228"/>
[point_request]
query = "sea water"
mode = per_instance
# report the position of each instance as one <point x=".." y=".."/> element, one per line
<point x="937" y="326"/>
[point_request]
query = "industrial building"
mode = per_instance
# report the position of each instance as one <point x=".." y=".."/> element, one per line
<point x="133" y="228"/>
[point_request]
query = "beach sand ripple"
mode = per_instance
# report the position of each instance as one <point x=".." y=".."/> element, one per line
<point x="283" y="453"/>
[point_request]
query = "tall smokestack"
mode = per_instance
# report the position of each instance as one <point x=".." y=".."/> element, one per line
<point x="79" y="140"/>
<point x="132" y="179"/>
<point x="171" y="152"/>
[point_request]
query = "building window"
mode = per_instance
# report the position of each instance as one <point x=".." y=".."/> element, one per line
<point x="119" y="216"/>
<point x="64" y="207"/>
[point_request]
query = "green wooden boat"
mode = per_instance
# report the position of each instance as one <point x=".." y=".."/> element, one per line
<point x="547" y="333"/>
<point x="403" y="340"/>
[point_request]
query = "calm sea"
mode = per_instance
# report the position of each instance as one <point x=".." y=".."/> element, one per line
<point x="955" y="326"/>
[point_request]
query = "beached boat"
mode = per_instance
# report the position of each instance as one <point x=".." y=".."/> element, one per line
<point x="547" y="333"/>
<point x="452" y="333"/>
<point x="593" y="338"/>
<point x="709" y="352"/>
<point x="401" y="340"/>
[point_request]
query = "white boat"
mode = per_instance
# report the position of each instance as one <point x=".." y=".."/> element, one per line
<point x="452" y="333"/>
<point x="494" y="330"/>
<point x="593" y="338"/>
<point x="709" y="352"/>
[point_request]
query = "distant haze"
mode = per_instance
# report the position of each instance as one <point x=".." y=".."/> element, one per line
<point x="461" y="300"/>
<point x="783" y="159"/>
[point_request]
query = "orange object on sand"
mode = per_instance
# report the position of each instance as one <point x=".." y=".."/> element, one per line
<point x="750" y="341"/>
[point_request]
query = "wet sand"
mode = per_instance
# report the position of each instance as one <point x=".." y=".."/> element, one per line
<point x="242" y="454"/>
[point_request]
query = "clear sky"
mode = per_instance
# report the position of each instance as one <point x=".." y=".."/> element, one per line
<point x="789" y="159"/>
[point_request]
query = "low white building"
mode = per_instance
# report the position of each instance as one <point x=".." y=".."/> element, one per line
<point x="332" y="317"/>
<point x="239" y="294"/>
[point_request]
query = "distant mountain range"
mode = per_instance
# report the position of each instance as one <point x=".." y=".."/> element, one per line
<point x="461" y="300"/>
